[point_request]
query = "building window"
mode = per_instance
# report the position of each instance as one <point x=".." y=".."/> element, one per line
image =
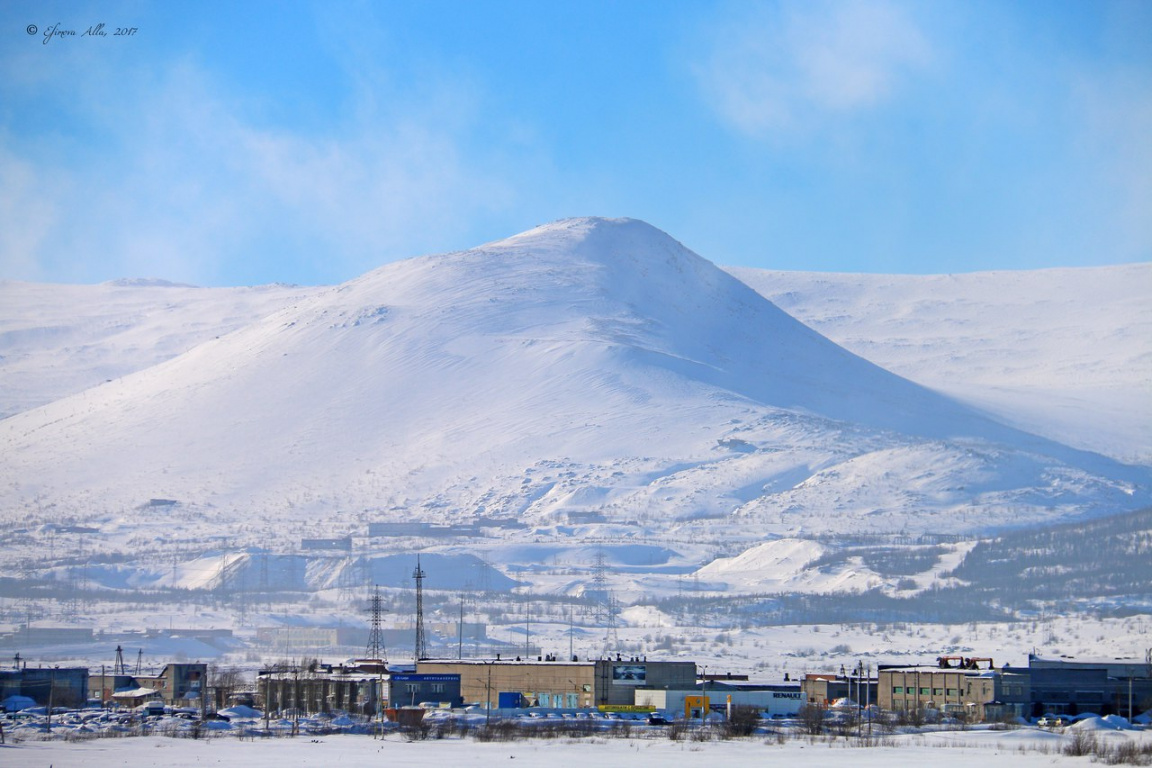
<point x="953" y="692"/>
<point x="937" y="691"/>
<point x="898" y="689"/>
<point x="924" y="691"/>
<point x="437" y="687"/>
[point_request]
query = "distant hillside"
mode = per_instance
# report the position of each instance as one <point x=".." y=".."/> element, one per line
<point x="1066" y="353"/>
<point x="1102" y="559"/>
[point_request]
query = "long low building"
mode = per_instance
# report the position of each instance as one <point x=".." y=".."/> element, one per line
<point x="1101" y="686"/>
<point x="548" y="681"/>
<point x="776" y="700"/>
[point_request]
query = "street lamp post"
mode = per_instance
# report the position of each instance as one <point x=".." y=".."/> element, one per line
<point x="704" y="697"/>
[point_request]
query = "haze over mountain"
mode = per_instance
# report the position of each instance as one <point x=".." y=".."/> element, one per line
<point x="586" y="366"/>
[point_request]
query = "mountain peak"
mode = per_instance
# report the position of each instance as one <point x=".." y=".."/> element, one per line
<point x="595" y="237"/>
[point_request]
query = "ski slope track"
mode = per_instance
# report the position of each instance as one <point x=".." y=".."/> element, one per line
<point x="592" y="377"/>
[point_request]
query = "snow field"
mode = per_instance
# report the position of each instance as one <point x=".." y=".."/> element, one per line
<point x="1025" y="747"/>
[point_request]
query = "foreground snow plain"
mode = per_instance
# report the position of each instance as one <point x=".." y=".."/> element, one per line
<point x="1024" y="747"/>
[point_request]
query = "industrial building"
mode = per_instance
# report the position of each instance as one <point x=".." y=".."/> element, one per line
<point x="177" y="685"/>
<point x="955" y="687"/>
<point x="822" y="690"/>
<point x="322" y="688"/>
<point x="1103" y="686"/>
<point x="47" y="686"/>
<point x="547" y="681"/>
<point x="405" y="690"/>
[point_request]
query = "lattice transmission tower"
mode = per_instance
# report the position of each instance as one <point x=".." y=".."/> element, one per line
<point x="421" y="651"/>
<point x="375" y="649"/>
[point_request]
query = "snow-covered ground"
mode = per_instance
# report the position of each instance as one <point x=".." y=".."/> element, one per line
<point x="1017" y="748"/>
<point x="765" y="653"/>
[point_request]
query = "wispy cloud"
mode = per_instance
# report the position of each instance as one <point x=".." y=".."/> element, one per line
<point x="184" y="183"/>
<point x="28" y="211"/>
<point x="783" y="68"/>
<point x="1115" y="125"/>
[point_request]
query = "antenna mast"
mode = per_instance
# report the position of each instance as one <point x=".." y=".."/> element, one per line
<point x="421" y="651"/>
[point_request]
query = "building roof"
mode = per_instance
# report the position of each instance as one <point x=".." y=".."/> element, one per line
<point x="135" y="693"/>
<point x="927" y="670"/>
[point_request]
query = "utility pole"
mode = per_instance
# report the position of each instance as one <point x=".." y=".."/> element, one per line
<point x="859" y="703"/>
<point x="460" y="630"/>
<point x="51" y="691"/>
<point x="488" y="696"/>
<point x="528" y="627"/>
<point x="295" y="699"/>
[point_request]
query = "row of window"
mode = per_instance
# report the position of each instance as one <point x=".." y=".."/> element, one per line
<point x="899" y="690"/>
<point x="558" y="700"/>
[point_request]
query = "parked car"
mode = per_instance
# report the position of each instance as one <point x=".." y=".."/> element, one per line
<point x="1053" y="721"/>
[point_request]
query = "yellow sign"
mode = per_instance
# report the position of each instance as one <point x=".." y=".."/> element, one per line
<point x="696" y="706"/>
<point x="625" y="708"/>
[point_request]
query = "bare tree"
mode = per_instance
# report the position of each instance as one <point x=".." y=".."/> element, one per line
<point x="743" y="722"/>
<point x="812" y="719"/>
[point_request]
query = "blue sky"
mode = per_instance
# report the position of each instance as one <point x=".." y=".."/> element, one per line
<point x="241" y="143"/>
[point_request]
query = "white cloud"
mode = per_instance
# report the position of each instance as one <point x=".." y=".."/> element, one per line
<point x="788" y="67"/>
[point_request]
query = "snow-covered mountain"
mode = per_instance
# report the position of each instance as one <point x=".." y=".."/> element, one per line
<point x="592" y="377"/>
